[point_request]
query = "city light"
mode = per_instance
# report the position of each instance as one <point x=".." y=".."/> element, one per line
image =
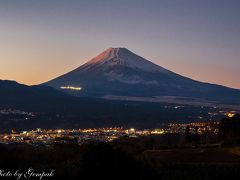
<point x="51" y="136"/>
<point x="59" y="131"/>
<point x="230" y="115"/>
<point x="71" y="88"/>
<point x="158" y="131"/>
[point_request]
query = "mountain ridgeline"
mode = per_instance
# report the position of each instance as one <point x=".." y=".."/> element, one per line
<point x="20" y="96"/>
<point x="120" y="72"/>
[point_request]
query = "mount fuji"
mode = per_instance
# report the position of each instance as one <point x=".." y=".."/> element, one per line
<point x="119" y="73"/>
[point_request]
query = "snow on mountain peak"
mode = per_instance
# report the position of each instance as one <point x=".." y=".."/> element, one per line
<point x="123" y="57"/>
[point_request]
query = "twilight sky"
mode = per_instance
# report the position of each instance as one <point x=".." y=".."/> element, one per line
<point x="41" y="39"/>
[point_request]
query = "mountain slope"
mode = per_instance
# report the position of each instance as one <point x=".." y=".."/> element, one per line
<point x="119" y="72"/>
<point x="55" y="109"/>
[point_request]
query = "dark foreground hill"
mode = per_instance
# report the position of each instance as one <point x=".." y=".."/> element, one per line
<point x="128" y="159"/>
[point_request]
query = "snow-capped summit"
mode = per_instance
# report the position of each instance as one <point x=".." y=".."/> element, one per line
<point x="123" y="57"/>
<point x="120" y="72"/>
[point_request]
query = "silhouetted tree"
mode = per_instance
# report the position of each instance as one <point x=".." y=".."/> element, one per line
<point x="188" y="136"/>
<point x="230" y="127"/>
<point x="196" y="137"/>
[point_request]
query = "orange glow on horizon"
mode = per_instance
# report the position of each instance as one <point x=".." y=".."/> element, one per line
<point x="32" y="69"/>
<point x="200" y="73"/>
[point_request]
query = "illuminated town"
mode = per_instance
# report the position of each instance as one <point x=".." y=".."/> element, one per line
<point x="40" y="136"/>
<point x="48" y="137"/>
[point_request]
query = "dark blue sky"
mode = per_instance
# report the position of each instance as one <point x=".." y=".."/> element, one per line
<point x="196" y="38"/>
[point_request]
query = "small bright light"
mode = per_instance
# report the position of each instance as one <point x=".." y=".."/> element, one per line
<point x="230" y="115"/>
<point x="158" y="131"/>
<point x="71" y="88"/>
<point x="59" y="131"/>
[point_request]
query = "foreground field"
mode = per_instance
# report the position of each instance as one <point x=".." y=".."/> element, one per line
<point x="125" y="159"/>
<point x="199" y="155"/>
